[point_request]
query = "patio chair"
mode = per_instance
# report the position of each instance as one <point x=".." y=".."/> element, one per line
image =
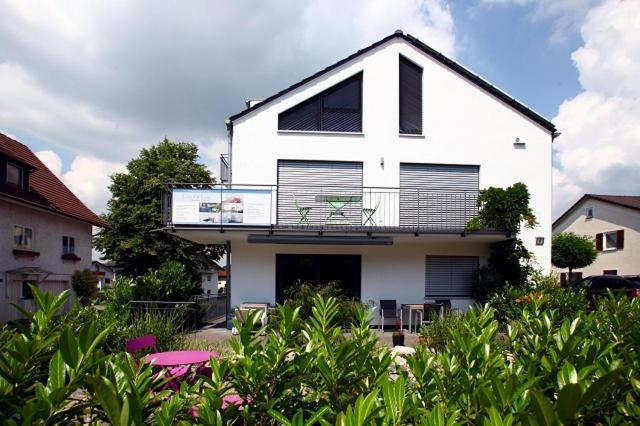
<point x="242" y="312"/>
<point x="388" y="310"/>
<point x="148" y="344"/>
<point x="303" y="211"/>
<point x="368" y="214"/>
<point x="431" y="312"/>
<point x="446" y="305"/>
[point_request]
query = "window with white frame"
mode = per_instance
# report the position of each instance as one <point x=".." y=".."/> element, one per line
<point x="68" y="245"/>
<point x="610" y="240"/>
<point x="22" y="237"/>
<point x="15" y="174"/>
<point x="589" y="213"/>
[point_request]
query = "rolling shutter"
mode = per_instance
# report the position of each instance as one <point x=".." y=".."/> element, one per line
<point x="410" y="97"/>
<point x="438" y="196"/>
<point x="300" y="183"/>
<point x="336" y="109"/>
<point x="450" y="276"/>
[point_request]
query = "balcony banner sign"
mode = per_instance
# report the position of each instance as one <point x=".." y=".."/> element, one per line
<point x="221" y="206"/>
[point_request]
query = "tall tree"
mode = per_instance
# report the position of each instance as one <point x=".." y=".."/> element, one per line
<point x="572" y="251"/>
<point x="134" y="211"/>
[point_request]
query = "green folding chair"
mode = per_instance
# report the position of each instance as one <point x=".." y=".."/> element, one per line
<point x="302" y="211"/>
<point x="368" y="214"/>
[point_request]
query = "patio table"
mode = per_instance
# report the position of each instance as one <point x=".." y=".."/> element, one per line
<point x="337" y="203"/>
<point x="417" y="308"/>
<point x="172" y="358"/>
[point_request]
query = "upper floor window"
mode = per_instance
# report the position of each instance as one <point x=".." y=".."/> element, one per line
<point x="15" y="174"/>
<point x="613" y="240"/>
<point x="68" y="245"/>
<point x="410" y="97"/>
<point x="337" y="109"/>
<point x="589" y="213"/>
<point x="22" y="237"/>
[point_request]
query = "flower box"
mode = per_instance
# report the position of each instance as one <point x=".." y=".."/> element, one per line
<point x="26" y="253"/>
<point x="70" y="256"/>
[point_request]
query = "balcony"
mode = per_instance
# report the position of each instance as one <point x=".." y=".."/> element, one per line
<point x="321" y="208"/>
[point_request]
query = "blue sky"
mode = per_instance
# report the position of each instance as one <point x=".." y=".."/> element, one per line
<point x="88" y="85"/>
<point x="506" y="46"/>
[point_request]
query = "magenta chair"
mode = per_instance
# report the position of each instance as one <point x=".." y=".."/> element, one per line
<point x="149" y="342"/>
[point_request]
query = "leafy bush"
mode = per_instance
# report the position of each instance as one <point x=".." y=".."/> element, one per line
<point x="166" y="325"/>
<point x="85" y="285"/>
<point x="503" y="209"/>
<point x="510" y="302"/>
<point x="169" y="283"/>
<point x="549" y="371"/>
<point x="439" y="333"/>
<point x="302" y="295"/>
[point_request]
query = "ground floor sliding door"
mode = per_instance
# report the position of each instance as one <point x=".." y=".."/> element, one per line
<point x="292" y="269"/>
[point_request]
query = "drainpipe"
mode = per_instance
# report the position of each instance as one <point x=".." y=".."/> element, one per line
<point x="227" y="287"/>
<point x="230" y="136"/>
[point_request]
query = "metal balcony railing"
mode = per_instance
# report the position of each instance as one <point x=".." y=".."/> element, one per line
<point x="318" y="207"/>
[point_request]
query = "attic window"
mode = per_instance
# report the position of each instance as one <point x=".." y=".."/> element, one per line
<point x="337" y="109"/>
<point x="15" y="175"/>
<point x="589" y="213"/>
<point x="410" y="98"/>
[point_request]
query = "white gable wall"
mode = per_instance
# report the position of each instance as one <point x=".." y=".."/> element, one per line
<point x="462" y="125"/>
<point x="606" y="217"/>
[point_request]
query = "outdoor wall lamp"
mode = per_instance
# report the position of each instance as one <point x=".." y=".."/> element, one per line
<point x="382" y="162"/>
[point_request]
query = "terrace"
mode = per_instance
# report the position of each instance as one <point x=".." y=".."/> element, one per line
<point x="326" y="208"/>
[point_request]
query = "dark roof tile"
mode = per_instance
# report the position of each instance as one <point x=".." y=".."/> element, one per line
<point x="45" y="189"/>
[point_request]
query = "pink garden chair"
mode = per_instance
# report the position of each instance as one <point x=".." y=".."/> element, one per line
<point x="147" y="342"/>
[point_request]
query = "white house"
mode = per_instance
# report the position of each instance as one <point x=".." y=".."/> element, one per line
<point x="613" y="221"/>
<point x="366" y="172"/>
<point x="106" y="273"/>
<point x="45" y="230"/>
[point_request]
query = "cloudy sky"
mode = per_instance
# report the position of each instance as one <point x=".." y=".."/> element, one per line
<point x="87" y="83"/>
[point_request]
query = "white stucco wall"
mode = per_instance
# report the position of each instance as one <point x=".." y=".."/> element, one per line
<point x="48" y="229"/>
<point x="606" y="217"/>
<point x="388" y="272"/>
<point x="462" y="125"/>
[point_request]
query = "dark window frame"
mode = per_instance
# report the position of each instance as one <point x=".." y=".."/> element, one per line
<point x="317" y="102"/>
<point x="21" y="172"/>
<point x="405" y="126"/>
<point x="27" y="293"/>
<point x="68" y="245"/>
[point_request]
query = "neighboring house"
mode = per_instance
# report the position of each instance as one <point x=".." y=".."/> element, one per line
<point x="209" y="277"/>
<point x="45" y="230"/>
<point x="105" y="272"/>
<point x="222" y="279"/>
<point x="367" y="172"/>
<point x="613" y="221"/>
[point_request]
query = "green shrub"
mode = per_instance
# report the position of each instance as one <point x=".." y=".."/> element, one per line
<point x="85" y="285"/>
<point x="166" y="325"/>
<point x="169" y="283"/>
<point x="439" y="333"/>
<point x="303" y="294"/>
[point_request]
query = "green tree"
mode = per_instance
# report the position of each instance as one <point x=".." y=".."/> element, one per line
<point x="134" y="212"/>
<point x="572" y="251"/>
<point x="85" y="285"/>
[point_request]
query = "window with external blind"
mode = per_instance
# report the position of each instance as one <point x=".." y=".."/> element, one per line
<point x="410" y="97"/>
<point x="452" y="276"/>
<point x="337" y="109"/>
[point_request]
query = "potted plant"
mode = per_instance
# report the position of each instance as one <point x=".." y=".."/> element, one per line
<point x="398" y="336"/>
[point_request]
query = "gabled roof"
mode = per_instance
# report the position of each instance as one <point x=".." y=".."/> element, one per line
<point x="454" y="66"/>
<point x="628" y="201"/>
<point x="45" y="189"/>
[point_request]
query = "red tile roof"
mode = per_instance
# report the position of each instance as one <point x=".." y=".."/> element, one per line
<point x="629" y="201"/>
<point x="45" y="189"/>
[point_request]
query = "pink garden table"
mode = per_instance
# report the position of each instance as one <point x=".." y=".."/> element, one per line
<point x="168" y="359"/>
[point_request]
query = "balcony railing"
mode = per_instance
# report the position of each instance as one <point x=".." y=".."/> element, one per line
<point x="318" y="207"/>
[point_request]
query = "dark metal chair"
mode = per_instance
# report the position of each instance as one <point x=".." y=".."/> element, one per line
<point x="446" y="305"/>
<point x="431" y="312"/>
<point x="388" y="310"/>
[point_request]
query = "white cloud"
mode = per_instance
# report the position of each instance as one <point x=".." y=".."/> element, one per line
<point x="89" y="179"/>
<point x="102" y="80"/>
<point x="599" y="150"/>
<point x="51" y="160"/>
